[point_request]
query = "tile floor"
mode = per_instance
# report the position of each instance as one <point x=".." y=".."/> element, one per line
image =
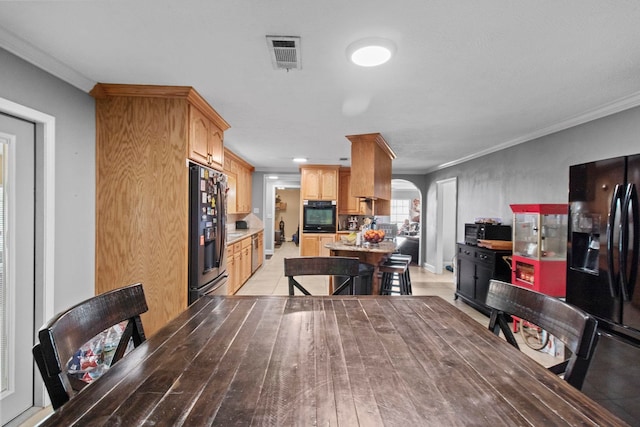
<point x="270" y="280"/>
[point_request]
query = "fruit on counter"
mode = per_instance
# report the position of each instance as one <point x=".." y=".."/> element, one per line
<point x="374" y="236"/>
<point x="350" y="238"/>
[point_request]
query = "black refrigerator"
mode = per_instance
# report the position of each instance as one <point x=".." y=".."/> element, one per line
<point x="207" y="232"/>
<point x="602" y="275"/>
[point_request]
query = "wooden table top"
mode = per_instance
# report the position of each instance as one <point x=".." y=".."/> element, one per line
<point x="328" y="360"/>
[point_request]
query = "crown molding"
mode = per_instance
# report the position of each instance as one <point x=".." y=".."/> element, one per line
<point x="43" y="60"/>
<point x="621" y="104"/>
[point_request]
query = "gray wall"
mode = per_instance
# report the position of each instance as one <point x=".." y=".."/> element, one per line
<point x="533" y="172"/>
<point x="74" y="111"/>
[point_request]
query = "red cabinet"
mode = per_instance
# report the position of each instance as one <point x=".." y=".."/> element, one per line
<point x="539" y="259"/>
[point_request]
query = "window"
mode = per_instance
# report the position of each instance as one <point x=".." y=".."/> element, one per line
<point x="399" y="211"/>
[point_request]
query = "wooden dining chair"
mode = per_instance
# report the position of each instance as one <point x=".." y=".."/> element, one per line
<point x="66" y="333"/>
<point x="322" y="266"/>
<point x="575" y="328"/>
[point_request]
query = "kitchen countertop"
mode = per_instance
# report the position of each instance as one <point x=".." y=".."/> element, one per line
<point x="382" y="247"/>
<point x="237" y="235"/>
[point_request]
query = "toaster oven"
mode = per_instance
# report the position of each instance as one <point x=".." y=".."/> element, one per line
<point x="475" y="232"/>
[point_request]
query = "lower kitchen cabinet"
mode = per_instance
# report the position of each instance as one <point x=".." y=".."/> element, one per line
<point x="245" y="260"/>
<point x="260" y="248"/>
<point x="476" y="266"/>
<point x="239" y="256"/>
<point x="312" y="244"/>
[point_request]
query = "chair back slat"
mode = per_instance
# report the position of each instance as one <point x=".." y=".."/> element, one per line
<point x="321" y="266"/>
<point x="62" y="336"/>
<point x="575" y="328"/>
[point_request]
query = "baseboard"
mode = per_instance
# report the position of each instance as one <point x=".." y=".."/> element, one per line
<point x="429" y="267"/>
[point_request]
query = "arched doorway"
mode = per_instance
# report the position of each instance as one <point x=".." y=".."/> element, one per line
<point x="406" y="212"/>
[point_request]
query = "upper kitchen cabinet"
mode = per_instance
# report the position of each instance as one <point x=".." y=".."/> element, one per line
<point x="143" y="138"/>
<point x="371" y="159"/>
<point x="206" y="136"/>
<point x="319" y="182"/>
<point x="239" y="181"/>
<point x="348" y="204"/>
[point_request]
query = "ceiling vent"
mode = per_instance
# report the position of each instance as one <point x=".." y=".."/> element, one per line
<point x="285" y="52"/>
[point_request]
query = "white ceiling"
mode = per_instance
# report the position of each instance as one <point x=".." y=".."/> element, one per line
<point x="469" y="77"/>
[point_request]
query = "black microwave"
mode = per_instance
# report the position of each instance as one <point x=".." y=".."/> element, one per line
<point x="475" y="232"/>
<point x="319" y="216"/>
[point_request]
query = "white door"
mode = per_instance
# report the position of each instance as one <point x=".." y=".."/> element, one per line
<point x="17" y="193"/>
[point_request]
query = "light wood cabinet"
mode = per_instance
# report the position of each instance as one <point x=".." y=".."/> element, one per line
<point x="245" y="260"/>
<point x="260" y="248"/>
<point x="205" y="140"/>
<point x="232" y="278"/>
<point x="143" y="137"/>
<point x="313" y="244"/>
<point x="319" y="182"/>
<point x="348" y="204"/>
<point x="239" y="182"/>
<point x="237" y="267"/>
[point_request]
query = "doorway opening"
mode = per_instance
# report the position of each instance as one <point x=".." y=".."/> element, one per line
<point x="447" y="201"/>
<point x="287" y="186"/>
<point x="406" y="214"/>
<point x="44" y="224"/>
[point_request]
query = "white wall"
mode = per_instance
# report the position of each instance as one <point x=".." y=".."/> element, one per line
<point x="74" y="112"/>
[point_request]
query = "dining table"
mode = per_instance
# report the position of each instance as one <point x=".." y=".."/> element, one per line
<point x="355" y="360"/>
<point x="373" y="254"/>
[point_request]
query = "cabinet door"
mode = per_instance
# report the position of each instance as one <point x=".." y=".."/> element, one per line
<point x="347" y="204"/>
<point x="246" y="262"/>
<point x="323" y="240"/>
<point x="329" y="185"/>
<point x="309" y="245"/>
<point x="232" y="185"/>
<point x="260" y="248"/>
<point x="215" y="146"/>
<point x="237" y="272"/>
<point x="466" y="275"/>
<point x="231" y="271"/>
<point x="198" y="136"/>
<point x="483" y="276"/>
<point x="245" y="191"/>
<point x="310" y="179"/>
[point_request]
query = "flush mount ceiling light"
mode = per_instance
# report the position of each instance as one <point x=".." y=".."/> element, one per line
<point x="299" y="159"/>
<point x="371" y="52"/>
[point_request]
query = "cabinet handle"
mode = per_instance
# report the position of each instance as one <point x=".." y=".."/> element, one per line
<point x="467" y="252"/>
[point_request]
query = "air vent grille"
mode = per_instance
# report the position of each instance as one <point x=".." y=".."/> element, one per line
<point x="285" y="52"/>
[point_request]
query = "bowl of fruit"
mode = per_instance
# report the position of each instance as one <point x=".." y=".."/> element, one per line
<point x="373" y="236"/>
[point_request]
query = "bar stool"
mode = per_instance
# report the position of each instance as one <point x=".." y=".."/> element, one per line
<point x="395" y="278"/>
<point x="407" y="259"/>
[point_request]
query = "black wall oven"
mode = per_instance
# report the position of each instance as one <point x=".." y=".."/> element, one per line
<point x="319" y="216"/>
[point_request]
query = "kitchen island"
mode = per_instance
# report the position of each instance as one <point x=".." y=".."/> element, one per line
<point x="374" y="254"/>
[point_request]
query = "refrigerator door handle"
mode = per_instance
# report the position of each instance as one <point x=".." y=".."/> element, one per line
<point x="611" y="228"/>
<point x="627" y="284"/>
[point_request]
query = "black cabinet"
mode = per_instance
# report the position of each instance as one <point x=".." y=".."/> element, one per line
<point x="476" y="266"/>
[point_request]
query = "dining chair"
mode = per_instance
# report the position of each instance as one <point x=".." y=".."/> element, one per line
<point x="575" y="328"/>
<point x="62" y="336"/>
<point x="322" y="266"/>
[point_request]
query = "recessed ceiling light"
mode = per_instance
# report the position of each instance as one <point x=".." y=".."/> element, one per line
<point x="370" y="52"/>
<point x="272" y="177"/>
<point x="300" y="159"/>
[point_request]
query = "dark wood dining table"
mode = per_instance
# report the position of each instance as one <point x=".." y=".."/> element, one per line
<point x="328" y="361"/>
